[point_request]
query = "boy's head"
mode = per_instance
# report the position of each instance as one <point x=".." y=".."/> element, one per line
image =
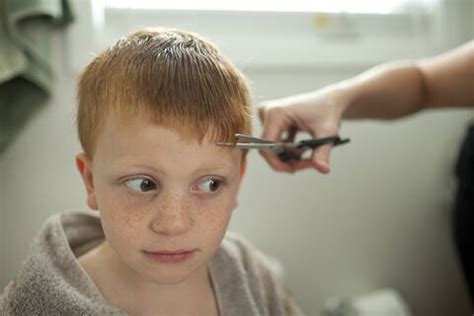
<point x="151" y="109"/>
<point x="174" y="78"/>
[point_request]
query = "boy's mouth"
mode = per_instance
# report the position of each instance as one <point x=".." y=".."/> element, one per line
<point x="167" y="256"/>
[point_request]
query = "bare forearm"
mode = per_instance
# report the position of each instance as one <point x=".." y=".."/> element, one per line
<point x="398" y="89"/>
<point x="385" y="92"/>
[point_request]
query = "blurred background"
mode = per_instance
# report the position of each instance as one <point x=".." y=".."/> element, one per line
<point x="381" y="219"/>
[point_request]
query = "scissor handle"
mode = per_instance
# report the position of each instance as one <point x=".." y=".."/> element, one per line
<point x="314" y="143"/>
<point x="286" y="154"/>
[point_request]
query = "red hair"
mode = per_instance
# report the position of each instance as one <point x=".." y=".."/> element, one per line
<point x="172" y="77"/>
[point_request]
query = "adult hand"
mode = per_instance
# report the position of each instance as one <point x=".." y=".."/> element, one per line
<point x="318" y="113"/>
<point x="387" y="91"/>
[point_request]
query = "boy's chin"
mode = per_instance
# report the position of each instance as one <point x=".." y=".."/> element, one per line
<point x="170" y="279"/>
<point x="171" y="276"/>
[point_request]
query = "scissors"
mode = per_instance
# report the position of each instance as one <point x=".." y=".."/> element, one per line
<point x="285" y="150"/>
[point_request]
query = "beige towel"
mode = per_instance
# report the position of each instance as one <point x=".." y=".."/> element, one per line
<point x="51" y="282"/>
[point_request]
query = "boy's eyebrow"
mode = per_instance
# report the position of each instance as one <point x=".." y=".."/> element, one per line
<point x="115" y="167"/>
<point x="220" y="167"/>
<point x="205" y="168"/>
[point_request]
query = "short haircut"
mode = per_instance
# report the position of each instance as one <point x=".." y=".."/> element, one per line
<point x="174" y="78"/>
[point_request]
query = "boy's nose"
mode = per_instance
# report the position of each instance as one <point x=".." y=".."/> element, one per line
<point x="172" y="217"/>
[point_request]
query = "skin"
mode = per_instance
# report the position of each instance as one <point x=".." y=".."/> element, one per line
<point x="155" y="190"/>
<point x="388" y="91"/>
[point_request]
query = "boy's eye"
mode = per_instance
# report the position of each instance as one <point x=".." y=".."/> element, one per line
<point x="140" y="184"/>
<point x="209" y="185"/>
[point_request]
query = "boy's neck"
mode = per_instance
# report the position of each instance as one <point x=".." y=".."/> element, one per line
<point x="122" y="286"/>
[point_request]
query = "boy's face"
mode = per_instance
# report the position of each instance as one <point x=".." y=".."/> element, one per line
<point x="165" y="201"/>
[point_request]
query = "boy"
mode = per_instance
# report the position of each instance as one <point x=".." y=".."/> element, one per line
<point x="151" y="109"/>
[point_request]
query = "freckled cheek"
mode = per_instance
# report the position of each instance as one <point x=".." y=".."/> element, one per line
<point x="215" y="212"/>
<point x="210" y="224"/>
<point x="122" y="218"/>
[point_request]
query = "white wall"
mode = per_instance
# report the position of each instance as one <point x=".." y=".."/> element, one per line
<point x="380" y="219"/>
<point x="39" y="178"/>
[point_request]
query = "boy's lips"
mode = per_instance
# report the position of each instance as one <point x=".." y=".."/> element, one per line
<point x="169" y="256"/>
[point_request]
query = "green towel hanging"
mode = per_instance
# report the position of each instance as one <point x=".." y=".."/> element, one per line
<point x="25" y="59"/>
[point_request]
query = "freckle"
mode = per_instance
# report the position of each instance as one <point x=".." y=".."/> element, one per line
<point x="131" y="218"/>
<point x="209" y="214"/>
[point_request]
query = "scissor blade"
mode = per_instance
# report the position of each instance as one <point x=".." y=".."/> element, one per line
<point x="250" y="145"/>
<point x="253" y="139"/>
<point x="256" y="146"/>
<point x="226" y="144"/>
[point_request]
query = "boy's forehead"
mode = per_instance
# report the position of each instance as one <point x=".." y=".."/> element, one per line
<point x="139" y="138"/>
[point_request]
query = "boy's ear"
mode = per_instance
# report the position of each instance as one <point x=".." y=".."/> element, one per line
<point x="84" y="166"/>
<point x="243" y="167"/>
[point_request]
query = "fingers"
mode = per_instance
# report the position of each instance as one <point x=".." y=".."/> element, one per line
<point x="291" y="133"/>
<point x="276" y="121"/>
<point x="274" y="124"/>
<point x="261" y="113"/>
<point x="275" y="162"/>
<point x="320" y="158"/>
<point x="298" y="165"/>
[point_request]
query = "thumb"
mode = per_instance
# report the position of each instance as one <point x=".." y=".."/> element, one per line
<point x="320" y="158"/>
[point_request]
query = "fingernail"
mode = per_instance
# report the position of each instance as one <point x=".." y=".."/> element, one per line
<point x="324" y="166"/>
